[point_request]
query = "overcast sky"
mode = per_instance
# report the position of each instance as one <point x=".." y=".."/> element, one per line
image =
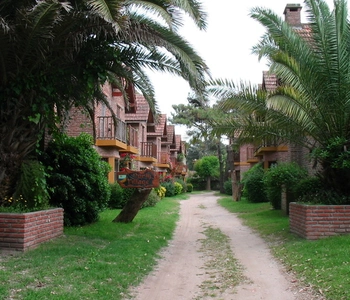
<point x="225" y="46"/>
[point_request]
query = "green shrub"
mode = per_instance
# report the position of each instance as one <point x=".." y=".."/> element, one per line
<point x="117" y="199"/>
<point x="198" y="183"/>
<point x="32" y="191"/>
<point x="127" y="193"/>
<point x="183" y="184"/>
<point x="178" y="188"/>
<point x="311" y="190"/>
<point x="253" y="183"/>
<point x="152" y="199"/>
<point x="170" y="188"/>
<point x="189" y="187"/>
<point x="307" y="186"/>
<point x="228" y="187"/>
<point x="287" y="174"/>
<point x="77" y="178"/>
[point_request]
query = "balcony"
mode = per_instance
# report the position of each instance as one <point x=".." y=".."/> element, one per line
<point x="111" y="134"/>
<point x="148" y="152"/>
<point x="163" y="160"/>
<point x="180" y="169"/>
<point x="251" y="158"/>
<point x="132" y="139"/>
<point x="270" y="145"/>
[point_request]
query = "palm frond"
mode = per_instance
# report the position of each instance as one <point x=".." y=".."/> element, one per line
<point x="109" y="10"/>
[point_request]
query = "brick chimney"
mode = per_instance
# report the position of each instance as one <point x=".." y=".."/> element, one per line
<point x="292" y="14"/>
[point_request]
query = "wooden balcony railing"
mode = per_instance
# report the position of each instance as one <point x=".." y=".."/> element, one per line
<point x="163" y="157"/>
<point x="108" y="130"/>
<point x="251" y="153"/>
<point x="270" y="142"/>
<point x="132" y="137"/>
<point x="148" y="149"/>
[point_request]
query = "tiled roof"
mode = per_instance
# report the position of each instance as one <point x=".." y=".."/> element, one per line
<point x="270" y="81"/>
<point x="143" y="112"/>
<point x="178" y="142"/>
<point x="304" y="31"/>
<point x="161" y="126"/>
<point x="171" y="134"/>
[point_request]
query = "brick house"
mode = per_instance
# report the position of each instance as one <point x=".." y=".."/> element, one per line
<point x="270" y="151"/>
<point x="178" y="157"/>
<point x="135" y="139"/>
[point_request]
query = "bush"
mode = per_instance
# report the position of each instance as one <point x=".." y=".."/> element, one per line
<point x="253" y="183"/>
<point x="77" y="178"/>
<point x="198" y="183"/>
<point x="178" y="188"/>
<point x="228" y="187"/>
<point x="183" y="184"/>
<point x="311" y="190"/>
<point x="189" y="187"/>
<point x="169" y="187"/>
<point x="161" y="190"/>
<point x="117" y="199"/>
<point x="307" y="186"/>
<point x="287" y="174"/>
<point x="152" y="199"/>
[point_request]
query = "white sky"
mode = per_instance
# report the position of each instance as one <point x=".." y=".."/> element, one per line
<point x="225" y="46"/>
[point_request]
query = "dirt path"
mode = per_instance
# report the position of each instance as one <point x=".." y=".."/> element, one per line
<point x="182" y="273"/>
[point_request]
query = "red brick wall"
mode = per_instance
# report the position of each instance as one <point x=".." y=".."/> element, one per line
<point x="28" y="230"/>
<point x="79" y="121"/>
<point x="318" y="221"/>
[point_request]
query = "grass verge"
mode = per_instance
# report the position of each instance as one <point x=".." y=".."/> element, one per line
<point x="99" y="261"/>
<point x="222" y="267"/>
<point x="323" y="264"/>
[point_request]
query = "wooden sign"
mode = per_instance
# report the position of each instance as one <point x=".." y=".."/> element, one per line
<point x="138" y="179"/>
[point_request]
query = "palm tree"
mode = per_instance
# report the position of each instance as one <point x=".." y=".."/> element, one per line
<point x="57" y="54"/>
<point x="311" y="107"/>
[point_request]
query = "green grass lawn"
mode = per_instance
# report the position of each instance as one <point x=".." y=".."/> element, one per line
<point x="323" y="264"/>
<point x="102" y="260"/>
<point x="99" y="261"/>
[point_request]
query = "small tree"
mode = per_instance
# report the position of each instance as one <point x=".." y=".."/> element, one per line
<point x="207" y="167"/>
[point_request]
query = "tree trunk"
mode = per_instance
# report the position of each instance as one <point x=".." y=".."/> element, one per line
<point x="208" y="186"/>
<point x="236" y="188"/>
<point x="133" y="206"/>
<point x="221" y="165"/>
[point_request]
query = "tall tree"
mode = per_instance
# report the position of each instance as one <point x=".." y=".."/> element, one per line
<point x="311" y="107"/>
<point x="196" y="117"/>
<point x="57" y="54"/>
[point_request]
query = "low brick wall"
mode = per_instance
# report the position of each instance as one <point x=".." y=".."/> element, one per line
<point x="318" y="221"/>
<point x="24" y="231"/>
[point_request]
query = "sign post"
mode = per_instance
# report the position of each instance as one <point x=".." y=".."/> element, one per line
<point x="145" y="179"/>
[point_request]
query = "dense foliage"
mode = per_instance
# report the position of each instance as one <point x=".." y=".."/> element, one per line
<point x="189" y="187"/>
<point x="57" y="54"/>
<point x="169" y="188"/>
<point x="77" y="178"/>
<point x="282" y="175"/>
<point x="119" y="196"/>
<point x="228" y="187"/>
<point x="254" y="189"/>
<point x="310" y="107"/>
